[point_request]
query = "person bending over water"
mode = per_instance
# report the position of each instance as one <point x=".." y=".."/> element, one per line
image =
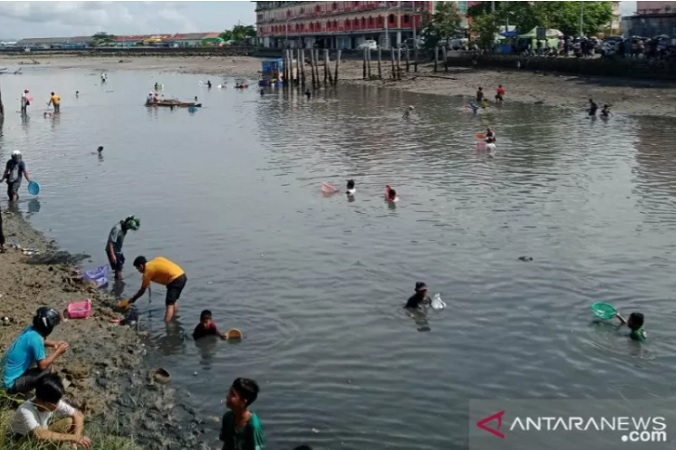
<point x="161" y="271"/>
<point x="420" y="298"/>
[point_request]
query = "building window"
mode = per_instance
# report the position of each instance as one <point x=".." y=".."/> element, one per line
<point x="334" y="6"/>
<point x="390" y="19"/>
<point x="371" y="23"/>
<point x="407" y="19"/>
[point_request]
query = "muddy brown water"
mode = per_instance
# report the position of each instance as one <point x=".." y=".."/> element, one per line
<point x="232" y="194"/>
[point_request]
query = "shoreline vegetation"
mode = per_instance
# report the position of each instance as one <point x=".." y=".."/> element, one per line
<point x="626" y="96"/>
<point x="104" y="370"/>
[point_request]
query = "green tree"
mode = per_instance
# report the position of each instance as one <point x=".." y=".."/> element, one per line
<point x="241" y="32"/>
<point x="564" y="16"/>
<point x="486" y="26"/>
<point x="102" y="38"/>
<point x="226" y="35"/>
<point x="444" y="24"/>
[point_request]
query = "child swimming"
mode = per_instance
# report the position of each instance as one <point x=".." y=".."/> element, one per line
<point x="350" y="188"/>
<point x="391" y="194"/>
<point x="420" y="297"/>
<point x="407" y="113"/>
<point x="635" y="324"/>
<point x="206" y="327"/>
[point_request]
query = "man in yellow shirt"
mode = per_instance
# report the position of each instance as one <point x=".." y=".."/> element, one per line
<point x="56" y="101"/>
<point x="162" y="271"/>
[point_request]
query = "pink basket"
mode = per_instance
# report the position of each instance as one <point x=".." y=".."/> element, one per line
<point x="80" y="310"/>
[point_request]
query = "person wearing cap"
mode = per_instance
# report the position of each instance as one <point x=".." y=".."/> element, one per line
<point x="420" y="297"/>
<point x="116" y="240"/>
<point x="162" y="271"/>
<point x="14" y="169"/>
<point x="24" y="101"/>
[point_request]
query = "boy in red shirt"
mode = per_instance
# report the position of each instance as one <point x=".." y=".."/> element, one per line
<point x="500" y="96"/>
<point x="206" y="327"/>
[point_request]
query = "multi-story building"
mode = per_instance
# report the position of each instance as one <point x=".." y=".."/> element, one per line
<point x="338" y="24"/>
<point x="644" y="8"/>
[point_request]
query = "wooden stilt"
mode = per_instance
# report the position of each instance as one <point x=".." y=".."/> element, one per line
<point x="364" y="64"/>
<point x="302" y="68"/>
<point x="380" y="63"/>
<point x="399" y="63"/>
<point x="408" y="59"/>
<point x="312" y="69"/>
<point x="436" y="57"/>
<point x="327" y="62"/>
<point x="298" y="63"/>
<point x="415" y="57"/>
<point x="335" y="76"/>
<point x="317" y="67"/>
<point x="394" y="73"/>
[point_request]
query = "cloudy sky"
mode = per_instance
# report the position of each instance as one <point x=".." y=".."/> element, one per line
<point x="57" y="19"/>
<point x="60" y="19"/>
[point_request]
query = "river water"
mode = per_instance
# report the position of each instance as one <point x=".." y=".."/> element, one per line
<point x="232" y="194"/>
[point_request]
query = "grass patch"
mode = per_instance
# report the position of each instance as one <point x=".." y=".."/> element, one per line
<point x="101" y="440"/>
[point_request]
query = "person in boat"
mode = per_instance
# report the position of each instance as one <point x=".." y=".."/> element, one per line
<point x="490" y="136"/>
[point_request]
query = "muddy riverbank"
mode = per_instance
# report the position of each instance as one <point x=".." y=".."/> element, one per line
<point x="636" y="97"/>
<point x="104" y="366"/>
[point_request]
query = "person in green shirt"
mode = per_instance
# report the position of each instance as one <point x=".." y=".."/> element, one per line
<point x="241" y="429"/>
<point x="635" y="324"/>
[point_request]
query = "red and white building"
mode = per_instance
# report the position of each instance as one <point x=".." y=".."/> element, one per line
<point x="338" y="24"/>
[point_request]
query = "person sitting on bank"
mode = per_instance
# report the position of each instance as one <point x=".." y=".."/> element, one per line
<point x="162" y="271"/>
<point x="116" y="240"/>
<point x="14" y="169"/>
<point x="420" y="298"/>
<point x="31" y="422"/>
<point x="56" y="101"/>
<point x="29" y="349"/>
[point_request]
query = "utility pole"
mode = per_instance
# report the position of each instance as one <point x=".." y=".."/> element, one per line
<point x="492" y="7"/>
<point x="581" y="19"/>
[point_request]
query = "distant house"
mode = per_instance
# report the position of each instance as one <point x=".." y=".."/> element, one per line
<point x="47" y="43"/>
<point x="129" y="41"/>
<point x="188" y="39"/>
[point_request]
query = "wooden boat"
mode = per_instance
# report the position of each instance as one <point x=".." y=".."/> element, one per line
<point x="174" y="103"/>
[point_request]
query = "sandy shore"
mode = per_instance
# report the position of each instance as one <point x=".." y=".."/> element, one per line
<point x="637" y="97"/>
<point x="104" y="365"/>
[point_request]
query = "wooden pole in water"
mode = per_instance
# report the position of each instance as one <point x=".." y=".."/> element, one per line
<point x="335" y="77"/>
<point x="415" y="57"/>
<point x="312" y="68"/>
<point x="364" y="64"/>
<point x="444" y="52"/>
<point x="317" y="67"/>
<point x="436" y="57"/>
<point x="302" y="67"/>
<point x="327" y="59"/>
<point x="368" y="61"/>
<point x="399" y="63"/>
<point x="2" y="107"/>
<point x="408" y="59"/>
<point x="380" y="63"/>
<point x="394" y="73"/>
<point x="298" y="63"/>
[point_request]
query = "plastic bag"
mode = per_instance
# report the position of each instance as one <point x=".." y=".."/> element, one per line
<point x="438" y="303"/>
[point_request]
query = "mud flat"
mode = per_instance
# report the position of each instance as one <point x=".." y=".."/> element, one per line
<point x="628" y="96"/>
<point x="104" y="365"/>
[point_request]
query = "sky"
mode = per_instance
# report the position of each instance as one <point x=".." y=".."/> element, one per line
<point x="63" y="18"/>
